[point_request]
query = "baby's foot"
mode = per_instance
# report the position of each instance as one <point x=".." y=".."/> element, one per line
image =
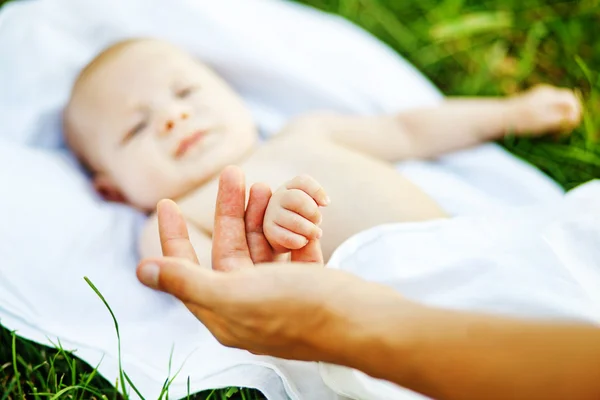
<point x="545" y="109"/>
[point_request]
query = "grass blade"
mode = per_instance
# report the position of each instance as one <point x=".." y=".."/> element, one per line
<point x="121" y="374"/>
<point x="68" y="389"/>
<point x="135" y="389"/>
<point x="93" y="373"/>
<point x="584" y="68"/>
<point x="170" y="381"/>
<point x="57" y="395"/>
<point x="165" y="387"/>
<point x="14" y="360"/>
<point x="472" y="24"/>
<point x="8" y="390"/>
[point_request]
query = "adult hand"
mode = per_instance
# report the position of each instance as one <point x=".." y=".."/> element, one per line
<point x="305" y="312"/>
<point x="291" y="310"/>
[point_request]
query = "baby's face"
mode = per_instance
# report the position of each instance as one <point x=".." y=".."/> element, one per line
<point x="159" y="123"/>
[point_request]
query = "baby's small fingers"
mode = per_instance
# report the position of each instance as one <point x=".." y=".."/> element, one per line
<point x="280" y="236"/>
<point x="310" y="186"/>
<point x="301" y="203"/>
<point x="296" y="223"/>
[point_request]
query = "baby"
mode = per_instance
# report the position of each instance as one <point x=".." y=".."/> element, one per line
<point x="150" y="122"/>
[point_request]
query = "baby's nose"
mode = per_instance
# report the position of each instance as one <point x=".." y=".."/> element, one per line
<point x="169" y="124"/>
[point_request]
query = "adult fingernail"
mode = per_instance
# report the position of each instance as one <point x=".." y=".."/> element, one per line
<point x="148" y="275"/>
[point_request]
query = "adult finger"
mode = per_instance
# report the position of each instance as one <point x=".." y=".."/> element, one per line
<point x="173" y="232"/>
<point x="311" y="253"/>
<point x="229" y="247"/>
<point x="258" y="245"/>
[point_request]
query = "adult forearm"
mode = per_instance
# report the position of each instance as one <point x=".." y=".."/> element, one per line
<point x="453" y="355"/>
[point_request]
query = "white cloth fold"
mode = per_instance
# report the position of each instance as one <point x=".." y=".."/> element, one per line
<point x="536" y="262"/>
<point x="285" y="59"/>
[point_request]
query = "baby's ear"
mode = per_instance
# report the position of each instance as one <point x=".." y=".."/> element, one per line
<point x="106" y="188"/>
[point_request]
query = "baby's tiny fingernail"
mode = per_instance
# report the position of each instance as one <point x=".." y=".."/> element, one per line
<point x="327" y="200"/>
<point x="319" y="233"/>
<point x="148" y="275"/>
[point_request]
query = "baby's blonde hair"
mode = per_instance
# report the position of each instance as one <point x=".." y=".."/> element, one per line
<point x="74" y="133"/>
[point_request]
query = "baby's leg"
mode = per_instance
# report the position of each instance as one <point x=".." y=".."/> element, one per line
<point x="537" y="111"/>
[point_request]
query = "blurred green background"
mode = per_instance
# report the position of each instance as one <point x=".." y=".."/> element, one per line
<point x="467" y="48"/>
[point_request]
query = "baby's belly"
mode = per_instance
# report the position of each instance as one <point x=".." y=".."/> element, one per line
<point x="364" y="192"/>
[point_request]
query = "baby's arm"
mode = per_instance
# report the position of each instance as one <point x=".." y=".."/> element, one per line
<point x="293" y="215"/>
<point x="150" y="245"/>
<point x="453" y="125"/>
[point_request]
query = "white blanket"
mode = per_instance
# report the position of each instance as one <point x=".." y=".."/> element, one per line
<point x="285" y="60"/>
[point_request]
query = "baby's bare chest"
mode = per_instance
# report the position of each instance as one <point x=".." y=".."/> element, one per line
<point x="342" y="172"/>
<point x="365" y="192"/>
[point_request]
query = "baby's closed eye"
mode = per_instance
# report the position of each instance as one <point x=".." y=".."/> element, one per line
<point x="185" y="91"/>
<point x="137" y="128"/>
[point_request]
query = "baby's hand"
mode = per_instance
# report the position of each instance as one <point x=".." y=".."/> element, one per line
<point x="292" y="216"/>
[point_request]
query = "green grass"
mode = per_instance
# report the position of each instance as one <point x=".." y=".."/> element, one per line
<point x="467" y="48"/>
<point x="31" y="371"/>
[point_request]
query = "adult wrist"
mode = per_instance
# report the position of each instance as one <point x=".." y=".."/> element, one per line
<point x="373" y="329"/>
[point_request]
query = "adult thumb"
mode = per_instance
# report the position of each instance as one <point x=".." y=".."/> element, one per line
<point x="182" y="279"/>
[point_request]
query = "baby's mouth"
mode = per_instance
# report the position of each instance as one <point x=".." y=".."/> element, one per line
<point x="188" y="142"/>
